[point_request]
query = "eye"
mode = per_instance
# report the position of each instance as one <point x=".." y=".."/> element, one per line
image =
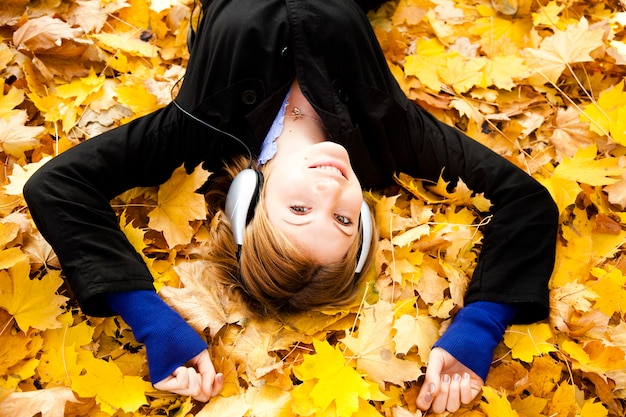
<point x="299" y="209"/>
<point x="343" y="220"/>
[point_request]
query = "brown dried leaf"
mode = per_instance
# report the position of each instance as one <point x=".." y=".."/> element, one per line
<point x="49" y="35"/>
<point x="49" y="402"/>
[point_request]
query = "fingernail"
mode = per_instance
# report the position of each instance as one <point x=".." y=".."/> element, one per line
<point x="466" y="376"/>
<point x="431" y="388"/>
<point x="456" y="377"/>
<point x="427" y="397"/>
<point x="219" y="378"/>
<point x="446" y="378"/>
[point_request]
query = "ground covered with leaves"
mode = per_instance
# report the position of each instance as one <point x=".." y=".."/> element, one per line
<point x="540" y="82"/>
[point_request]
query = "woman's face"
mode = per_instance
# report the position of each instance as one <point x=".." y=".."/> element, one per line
<point x="313" y="196"/>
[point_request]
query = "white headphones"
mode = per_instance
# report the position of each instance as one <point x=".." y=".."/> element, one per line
<point x="243" y="196"/>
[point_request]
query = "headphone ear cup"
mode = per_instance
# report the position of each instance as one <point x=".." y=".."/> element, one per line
<point x="366" y="227"/>
<point x="241" y="200"/>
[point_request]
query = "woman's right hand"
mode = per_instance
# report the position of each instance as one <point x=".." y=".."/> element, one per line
<point x="196" y="379"/>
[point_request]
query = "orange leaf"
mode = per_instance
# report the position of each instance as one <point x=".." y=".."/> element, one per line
<point x="178" y="204"/>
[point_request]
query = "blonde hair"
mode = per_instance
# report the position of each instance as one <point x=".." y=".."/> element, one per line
<point x="272" y="275"/>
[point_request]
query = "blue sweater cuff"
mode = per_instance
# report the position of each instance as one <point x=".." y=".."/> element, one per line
<point x="475" y="332"/>
<point x="169" y="340"/>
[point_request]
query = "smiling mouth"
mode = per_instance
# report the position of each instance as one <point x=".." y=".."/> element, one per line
<point x="330" y="168"/>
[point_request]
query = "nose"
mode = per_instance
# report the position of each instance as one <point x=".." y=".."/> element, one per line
<point x="328" y="188"/>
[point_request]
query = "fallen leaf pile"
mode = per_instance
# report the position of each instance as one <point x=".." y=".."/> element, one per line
<point x="539" y="82"/>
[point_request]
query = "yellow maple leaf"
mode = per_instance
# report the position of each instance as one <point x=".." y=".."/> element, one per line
<point x="496" y="405"/>
<point x="584" y="167"/>
<point x="178" y="204"/>
<point x="574" y="258"/>
<point x="33" y="302"/>
<point x="137" y="98"/>
<point x="328" y="379"/>
<point x="8" y="232"/>
<point x="527" y="341"/>
<point x="500" y="35"/>
<point x="136" y="238"/>
<point x="374" y="349"/>
<point x="17" y="348"/>
<point x="504" y="70"/>
<point x="431" y="285"/>
<point x="54" y="108"/>
<point x="529" y="406"/>
<point x="610" y="289"/>
<point x="591" y="408"/>
<point x="129" y="43"/>
<point x="411" y="235"/>
<point x="13" y="98"/>
<point x="564" y="401"/>
<point x="430" y="55"/>
<point x="594" y="356"/>
<point x="462" y="73"/>
<point x="81" y="88"/>
<point x="59" y="357"/>
<point x="462" y="195"/>
<point x="548" y="15"/>
<point x="544" y="375"/>
<point x="111" y="389"/>
<point x="388" y="223"/>
<point x="415" y="330"/>
<point x="607" y="114"/>
<point x="563" y="190"/>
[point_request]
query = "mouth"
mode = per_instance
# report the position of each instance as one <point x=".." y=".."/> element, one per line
<point x="333" y="168"/>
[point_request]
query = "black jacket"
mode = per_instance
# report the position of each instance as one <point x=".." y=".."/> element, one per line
<point x="244" y="57"/>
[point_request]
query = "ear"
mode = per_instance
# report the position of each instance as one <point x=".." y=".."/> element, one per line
<point x="241" y="200"/>
<point x="365" y="225"/>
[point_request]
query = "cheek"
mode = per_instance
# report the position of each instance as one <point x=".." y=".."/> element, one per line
<point x="280" y="187"/>
<point x="356" y="198"/>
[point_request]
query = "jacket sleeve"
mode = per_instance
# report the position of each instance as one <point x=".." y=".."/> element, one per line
<point x="517" y="257"/>
<point x="69" y="200"/>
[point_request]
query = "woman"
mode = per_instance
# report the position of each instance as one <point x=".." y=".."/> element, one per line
<point x="255" y="63"/>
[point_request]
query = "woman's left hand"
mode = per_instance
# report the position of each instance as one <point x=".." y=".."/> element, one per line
<point x="448" y="383"/>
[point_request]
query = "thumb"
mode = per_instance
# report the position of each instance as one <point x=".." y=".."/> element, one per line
<point x="211" y="381"/>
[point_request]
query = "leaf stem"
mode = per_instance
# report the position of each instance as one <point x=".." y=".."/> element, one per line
<point x="7" y="325"/>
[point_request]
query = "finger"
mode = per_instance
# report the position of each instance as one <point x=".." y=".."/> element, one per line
<point x="467" y="396"/>
<point x="440" y="402"/>
<point x="205" y="367"/>
<point x="179" y="380"/>
<point x="425" y="396"/>
<point x="430" y="387"/>
<point x="194" y="389"/>
<point x="454" y="394"/>
<point x="218" y="384"/>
